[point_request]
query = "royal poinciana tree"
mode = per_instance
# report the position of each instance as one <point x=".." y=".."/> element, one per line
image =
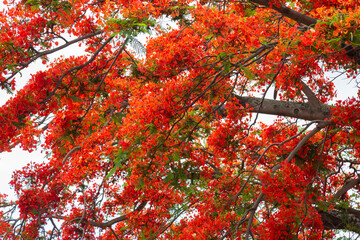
<point x="166" y="140"/>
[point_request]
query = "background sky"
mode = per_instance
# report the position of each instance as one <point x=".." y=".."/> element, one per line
<point x="18" y="158"/>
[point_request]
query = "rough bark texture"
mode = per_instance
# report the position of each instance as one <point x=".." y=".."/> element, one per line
<point x="351" y="51"/>
<point x="304" y="111"/>
<point x="288" y="12"/>
<point x="348" y="219"/>
<point x="339" y="194"/>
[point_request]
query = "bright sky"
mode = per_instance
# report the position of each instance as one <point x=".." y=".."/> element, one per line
<point x="18" y="158"/>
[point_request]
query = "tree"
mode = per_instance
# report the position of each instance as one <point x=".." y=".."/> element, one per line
<point x="166" y="142"/>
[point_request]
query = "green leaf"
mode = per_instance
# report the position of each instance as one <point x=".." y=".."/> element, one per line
<point x="32" y="2"/>
<point x="120" y="158"/>
<point x="176" y="156"/>
<point x="75" y="99"/>
<point x="142" y="235"/>
<point x="35" y="7"/>
<point x="295" y="42"/>
<point x="114" y="34"/>
<point x="143" y="30"/>
<point x="247" y="73"/>
<point x="227" y="65"/>
<point x="141" y="24"/>
<point x="169" y="177"/>
<point x="333" y="40"/>
<point x="209" y="36"/>
<point x="58" y="98"/>
<point x="221" y="55"/>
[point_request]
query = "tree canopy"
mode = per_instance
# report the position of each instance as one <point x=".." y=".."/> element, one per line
<point x="167" y="140"/>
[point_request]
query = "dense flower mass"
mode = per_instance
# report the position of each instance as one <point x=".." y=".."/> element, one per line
<point x="165" y="138"/>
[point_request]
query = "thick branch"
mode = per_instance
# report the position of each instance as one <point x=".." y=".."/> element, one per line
<point x="346" y="219"/>
<point x="346" y="188"/>
<point x="303" y="141"/>
<point x="70" y="152"/>
<point x="310" y="95"/>
<point x="302" y="19"/>
<point x="304" y="111"/>
<point x="278" y="166"/>
<point x="288" y="12"/>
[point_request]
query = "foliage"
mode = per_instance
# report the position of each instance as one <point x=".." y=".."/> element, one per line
<point x="164" y="141"/>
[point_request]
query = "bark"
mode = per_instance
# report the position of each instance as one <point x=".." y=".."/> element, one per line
<point x="305" y="111"/>
<point x="338" y="195"/>
<point x="305" y="20"/>
<point x="346" y="219"/>
<point x="118" y="219"/>
<point x="109" y="223"/>
<point x="288" y="12"/>
<point x="342" y="219"/>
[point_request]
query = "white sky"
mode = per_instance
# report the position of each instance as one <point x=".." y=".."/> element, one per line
<point x="18" y="158"/>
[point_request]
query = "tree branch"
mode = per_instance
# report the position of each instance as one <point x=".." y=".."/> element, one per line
<point x="345" y="188"/>
<point x="50" y="51"/>
<point x="109" y="223"/>
<point x="118" y="219"/>
<point x="76" y="68"/>
<point x="310" y="95"/>
<point x="302" y="19"/>
<point x="320" y="126"/>
<point x="288" y="12"/>
<point x="304" y="111"/>
<point x="69" y="153"/>
<point x="346" y="219"/>
<point x="317" y="129"/>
